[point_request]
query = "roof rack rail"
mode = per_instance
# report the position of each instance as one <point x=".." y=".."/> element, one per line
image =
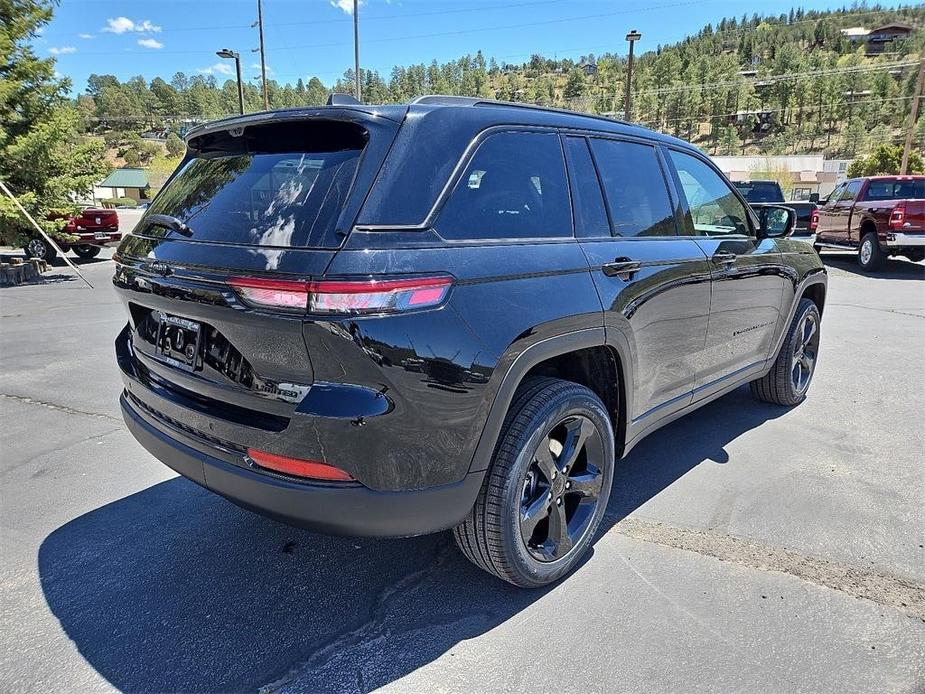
<point x="443" y="100"/>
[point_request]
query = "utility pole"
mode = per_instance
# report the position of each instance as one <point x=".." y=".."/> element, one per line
<point x="263" y="58"/>
<point x="907" y="148"/>
<point x="356" y="49"/>
<point x="632" y="37"/>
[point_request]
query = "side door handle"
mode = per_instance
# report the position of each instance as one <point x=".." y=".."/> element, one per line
<point x="723" y="257"/>
<point x="621" y="267"/>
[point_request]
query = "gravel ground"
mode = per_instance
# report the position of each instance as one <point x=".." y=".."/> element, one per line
<point x="746" y="547"/>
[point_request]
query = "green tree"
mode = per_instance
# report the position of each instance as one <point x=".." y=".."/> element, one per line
<point x="43" y="157"/>
<point x="175" y="146"/>
<point x="885" y="160"/>
<point x="575" y="86"/>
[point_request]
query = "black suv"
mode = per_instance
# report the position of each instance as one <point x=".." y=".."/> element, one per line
<point x="394" y="320"/>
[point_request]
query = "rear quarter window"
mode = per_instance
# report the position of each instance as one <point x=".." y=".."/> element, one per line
<point x="514" y="187"/>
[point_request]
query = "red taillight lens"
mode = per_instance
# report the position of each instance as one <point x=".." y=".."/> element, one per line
<point x="346" y="297"/>
<point x="898" y="216"/>
<point x="311" y="469"/>
<point x="376" y="296"/>
<point x="814" y="220"/>
<point x="285" y="295"/>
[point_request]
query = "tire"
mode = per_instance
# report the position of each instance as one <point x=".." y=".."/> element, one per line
<point x="781" y="385"/>
<point x="86" y="251"/>
<point x="38" y="247"/>
<point x="870" y="257"/>
<point x="517" y="495"/>
<point x="916" y="256"/>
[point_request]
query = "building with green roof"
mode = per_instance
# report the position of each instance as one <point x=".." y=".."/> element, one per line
<point x="124" y="183"/>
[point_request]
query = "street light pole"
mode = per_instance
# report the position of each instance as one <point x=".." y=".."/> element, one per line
<point x="632" y="37"/>
<point x="263" y="59"/>
<point x="228" y="53"/>
<point x="356" y="49"/>
<point x="907" y="148"/>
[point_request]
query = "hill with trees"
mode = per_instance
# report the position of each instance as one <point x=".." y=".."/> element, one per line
<point x="793" y="83"/>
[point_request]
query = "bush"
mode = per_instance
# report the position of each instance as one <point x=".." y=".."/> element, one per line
<point x="132" y="157"/>
<point x="175" y="146"/>
<point x="117" y="202"/>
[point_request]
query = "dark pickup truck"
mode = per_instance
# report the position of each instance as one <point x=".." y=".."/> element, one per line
<point x="770" y="192"/>
<point x="878" y="216"/>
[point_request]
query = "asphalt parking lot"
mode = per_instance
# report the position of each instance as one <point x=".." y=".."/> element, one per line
<point x="746" y="547"/>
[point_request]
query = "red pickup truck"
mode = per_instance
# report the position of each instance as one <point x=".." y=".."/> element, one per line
<point x="95" y="228"/>
<point x="878" y="216"/>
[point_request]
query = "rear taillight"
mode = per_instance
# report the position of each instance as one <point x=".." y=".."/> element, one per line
<point x="343" y="297"/>
<point x="310" y="469"/>
<point x="898" y="216"/>
<point x="814" y="220"/>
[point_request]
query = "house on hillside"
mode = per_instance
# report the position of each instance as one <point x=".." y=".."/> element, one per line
<point x="124" y="183"/>
<point x="590" y="69"/>
<point x="879" y="39"/>
<point x="855" y="34"/>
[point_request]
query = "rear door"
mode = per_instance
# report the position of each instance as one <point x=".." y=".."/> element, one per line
<point x="748" y="279"/>
<point x="654" y="286"/>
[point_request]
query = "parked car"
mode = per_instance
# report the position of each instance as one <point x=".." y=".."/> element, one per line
<point x="878" y="216"/>
<point x="764" y="192"/>
<point x="95" y="227"/>
<point x="394" y="320"/>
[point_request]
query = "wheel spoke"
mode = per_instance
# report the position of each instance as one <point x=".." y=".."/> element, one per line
<point x="536" y="511"/>
<point x="588" y="484"/>
<point x="559" y="538"/>
<point x="798" y="375"/>
<point x="545" y="461"/>
<point x="578" y="432"/>
<point x="808" y="333"/>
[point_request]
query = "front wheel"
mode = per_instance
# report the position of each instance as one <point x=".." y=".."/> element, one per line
<point x="40" y="248"/>
<point x="788" y="380"/>
<point x="870" y="257"/>
<point x="547" y="488"/>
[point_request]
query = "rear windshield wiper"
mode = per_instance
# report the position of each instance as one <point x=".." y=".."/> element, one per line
<point x="168" y="222"/>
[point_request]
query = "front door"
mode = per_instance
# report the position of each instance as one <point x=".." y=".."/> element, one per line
<point x="748" y="277"/>
<point x="654" y="286"/>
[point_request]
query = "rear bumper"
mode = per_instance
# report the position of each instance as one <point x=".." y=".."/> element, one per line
<point x="89" y="238"/>
<point x="897" y="239"/>
<point x="343" y="509"/>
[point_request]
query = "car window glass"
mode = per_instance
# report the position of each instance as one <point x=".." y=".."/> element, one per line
<point x="895" y="189"/>
<point x="850" y="193"/>
<point x="714" y="208"/>
<point x="759" y="191"/>
<point x="590" y="215"/>
<point x="635" y="188"/>
<point x="835" y="194"/>
<point x="514" y="187"/>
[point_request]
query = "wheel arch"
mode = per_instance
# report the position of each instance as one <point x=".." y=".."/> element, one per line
<point x="581" y="356"/>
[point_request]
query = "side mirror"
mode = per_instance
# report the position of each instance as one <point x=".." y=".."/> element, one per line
<point x="814" y="197"/>
<point x="775" y="221"/>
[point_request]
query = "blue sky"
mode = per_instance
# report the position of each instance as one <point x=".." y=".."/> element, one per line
<point x="315" y="37"/>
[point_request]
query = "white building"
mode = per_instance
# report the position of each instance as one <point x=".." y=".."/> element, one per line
<point x="799" y="176"/>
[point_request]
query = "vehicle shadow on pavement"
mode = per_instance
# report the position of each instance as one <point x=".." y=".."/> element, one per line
<point x="892" y="268"/>
<point x="175" y="589"/>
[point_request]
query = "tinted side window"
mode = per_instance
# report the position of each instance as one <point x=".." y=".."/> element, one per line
<point x="514" y="187"/>
<point x="590" y="215"/>
<point x="714" y="208"/>
<point x="851" y="191"/>
<point x="637" y="196"/>
<point x="834" y="195"/>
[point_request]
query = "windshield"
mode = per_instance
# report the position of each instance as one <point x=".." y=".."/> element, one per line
<point x="760" y="192"/>
<point x="269" y="198"/>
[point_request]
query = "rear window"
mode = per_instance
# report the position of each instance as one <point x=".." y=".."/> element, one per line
<point x="894" y="189"/>
<point x="278" y="186"/>
<point x="759" y="192"/>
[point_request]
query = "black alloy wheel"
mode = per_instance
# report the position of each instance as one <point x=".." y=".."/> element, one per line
<point x="561" y="488"/>
<point x="805" y="349"/>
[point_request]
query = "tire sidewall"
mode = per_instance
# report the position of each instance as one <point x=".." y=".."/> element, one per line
<point x="533" y="571"/>
<point x="869" y="239"/>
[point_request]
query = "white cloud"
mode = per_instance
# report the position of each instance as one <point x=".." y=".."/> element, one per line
<point x="86" y="36"/>
<point x="63" y="50"/>
<point x="256" y="66"/>
<point x="345" y="5"/>
<point x="217" y="69"/>
<point x="150" y="43"/>
<point x="120" y="25"/>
